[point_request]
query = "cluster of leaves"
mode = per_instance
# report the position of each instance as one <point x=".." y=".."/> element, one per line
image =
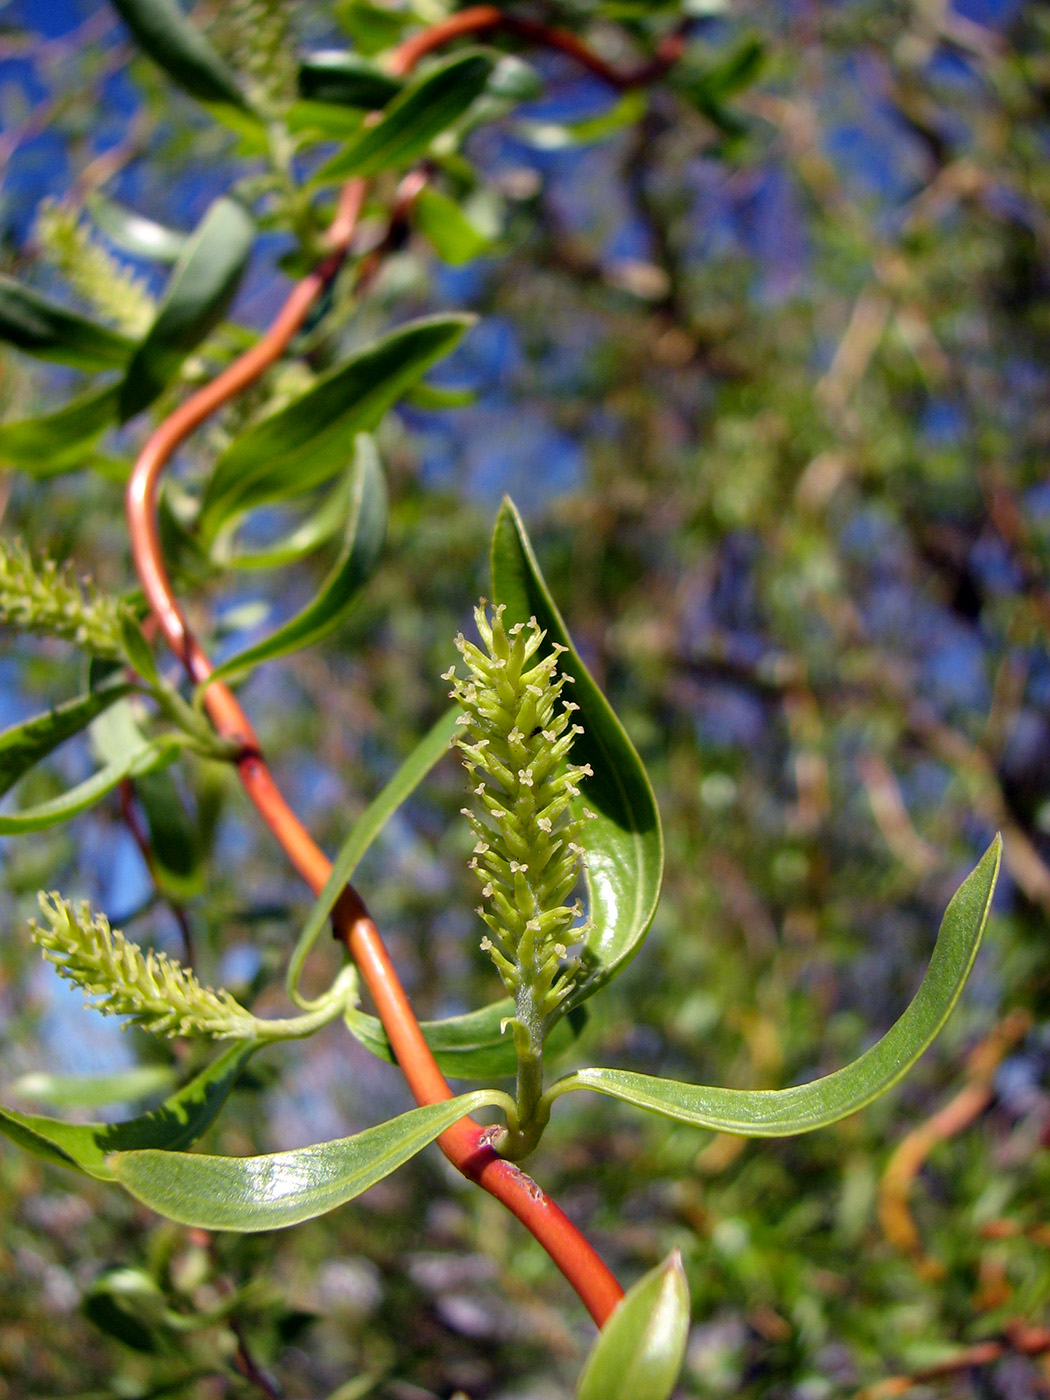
<point x="770" y="503"/>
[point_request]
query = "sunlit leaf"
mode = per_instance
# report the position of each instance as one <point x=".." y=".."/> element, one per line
<point x="639" y="1351"/>
<point x="24" y="745"/>
<point x="202" y="285"/>
<point x="362" y="547"/>
<point x="41" y="327"/>
<point x="283" y="1188"/>
<point x="163" y="32"/>
<point x="311" y="440"/>
<point x="142" y="237"/>
<point x="779" y="1112"/>
<point x="174" y="1125"/>
<point x="623" y="844"/>
<point x="93" y="1090"/>
<point x="420" y="113"/>
<point x="334" y="75"/>
<point x="446" y="226"/>
<point x="84" y="795"/>
<point x="309" y="534"/>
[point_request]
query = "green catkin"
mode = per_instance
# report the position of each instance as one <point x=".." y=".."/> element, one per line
<point x="518" y="736"/>
<point x="151" y="989"/>
<point x="69" y="244"/>
<point x="42" y="598"/>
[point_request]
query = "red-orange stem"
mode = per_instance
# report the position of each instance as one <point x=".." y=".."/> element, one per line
<point x="467" y="1144"/>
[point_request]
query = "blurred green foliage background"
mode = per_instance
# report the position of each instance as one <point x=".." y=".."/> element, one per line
<point x="764" y="358"/>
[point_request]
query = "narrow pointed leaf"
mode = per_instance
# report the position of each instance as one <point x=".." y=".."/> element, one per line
<point x="313" y="531"/>
<point x="202" y="286"/>
<point x="142" y="237"/>
<point x="623" y="844"/>
<point x="284" y="1188"/>
<point x="84" y="795"/>
<point x="24" y="745"/>
<point x="432" y="747"/>
<point x="639" y="1351"/>
<point x="420" y="113"/>
<point x="311" y="440"/>
<point x="338" y="76"/>
<point x="472" y="1046"/>
<point x="779" y="1112"/>
<point x="163" y="32"/>
<point x="94" y="1090"/>
<point x="34" y="323"/>
<point x="362" y="547"/>
<point x="175" y="1125"/>
<point x="443" y="222"/>
<point x="173" y="836"/>
<point x="60" y="440"/>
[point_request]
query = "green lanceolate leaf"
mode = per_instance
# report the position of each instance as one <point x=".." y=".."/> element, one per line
<point x="362" y="547"/>
<point x="173" y="837"/>
<point x="432" y="747"/>
<point x="420" y="113"/>
<point x="450" y="231"/>
<point x="24" y="745"/>
<point x="62" y="440"/>
<point x="94" y="1090"/>
<point x="78" y="799"/>
<point x="311" y="440"/>
<point x="476" y="1045"/>
<point x="163" y="32"/>
<point x="142" y="237"/>
<point x="639" y="1351"/>
<point x="623" y="844"/>
<point x="41" y="327"/>
<point x="314" y="530"/>
<point x="346" y="78"/>
<point x="202" y="285"/>
<point x="780" y="1112"/>
<point x="283" y="1188"/>
<point x="175" y="1125"/>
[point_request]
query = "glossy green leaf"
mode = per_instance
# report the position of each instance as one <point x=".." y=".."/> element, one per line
<point x="284" y="1188"/>
<point x="371" y="27"/>
<point x="432" y="747"/>
<point x="24" y="745"/>
<point x="41" y="327"/>
<point x="362" y="547"/>
<point x="443" y="222"/>
<point x="334" y="75"/>
<point x="779" y="1112"/>
<point x="163" y="32"/>
<point x="84" y="795"/>
<point x="61" y="440"/>
<point x="93" y="1090"/>
<point x="623" y="844"/>
<point x="175" y="1125"/>
<point x="420" y="113"/>
<point x="313" y="531"/>
<point x="135" y="234"/>
<point x="202" y="285"/>
<point x="311" y="440"/>
<point x="640" y="1350"/>
<point x="472" y="1046"/>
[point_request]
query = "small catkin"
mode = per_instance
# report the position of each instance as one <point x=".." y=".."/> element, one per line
<point x="518" y="733"/>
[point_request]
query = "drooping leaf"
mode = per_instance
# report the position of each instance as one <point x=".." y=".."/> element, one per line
<point x="41" y="327"/>
<point x="174" y="1125"/>
<point x="84" y="795"/>
<point x="93" y="1090"/>
<point x="311" y="440"/>
<point x="316" y="529"/>
<point x="472" y="1046"/>
<point x="334" y="75"/>
<point x="639" y="1351"/>
<point x="62" y="439"/>
<point x="450" y="231"/>
<point x="163" y="32"/>
<point x="24" y="745"/>
<point x="432" y="747"/>
<point x="779" y="1112"/>
<point x="284" y="1188"/>
<point x="362" y="547"/>
<point x="142" y="237"/>
<point x="421" y="112"/>
<point x="201" y="287"/>
<point x="623" y="844"/>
